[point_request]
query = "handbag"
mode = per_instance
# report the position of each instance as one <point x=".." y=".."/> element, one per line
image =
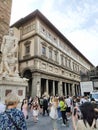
<point x="13" y="121"/>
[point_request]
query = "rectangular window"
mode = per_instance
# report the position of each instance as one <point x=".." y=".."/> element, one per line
<point x="27" y="49"/>
<point x="66" y="61"/>
<point x="20" y="92"/>
<point x="43" y="50"/>
<point x="50" y="53"/>
<point x="69" y="63"/>
<point x="56" y="56"/>
<point x="7" y="92"/>
<point x="62" y="62"/>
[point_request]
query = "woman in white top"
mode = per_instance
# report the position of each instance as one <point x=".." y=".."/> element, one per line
<point x="53" y="113"/>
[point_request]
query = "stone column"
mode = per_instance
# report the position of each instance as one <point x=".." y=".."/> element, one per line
<point x="65" y="89"/>
<point x="68" y="88"/>
<point x="47" y="87"/>
<point x="38" y="89"/>
<point x="60" y="91"/>
<point x="36" y="86"/>
<point x="73" y="89"/>
<point x="54" y="88"/>
<point x="78" y="91"/>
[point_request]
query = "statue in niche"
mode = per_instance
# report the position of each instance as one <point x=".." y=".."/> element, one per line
<point x="9" y="50"/>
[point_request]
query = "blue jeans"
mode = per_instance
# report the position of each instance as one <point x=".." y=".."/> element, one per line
<point x="59" y="112"/>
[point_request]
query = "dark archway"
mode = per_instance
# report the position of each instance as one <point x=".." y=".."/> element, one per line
<point x="28" y="74"/>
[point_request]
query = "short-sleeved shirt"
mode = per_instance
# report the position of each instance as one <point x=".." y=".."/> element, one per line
<point x="17" y="117"/>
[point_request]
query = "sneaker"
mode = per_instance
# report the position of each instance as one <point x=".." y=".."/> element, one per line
<point x="63" y="125"/>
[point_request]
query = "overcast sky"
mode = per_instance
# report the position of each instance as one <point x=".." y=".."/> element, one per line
<point x="77" y="20"/>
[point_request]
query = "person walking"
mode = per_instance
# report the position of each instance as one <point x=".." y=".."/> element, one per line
<point x="24" y="108"/>
<point x="45" y="105"/>
<point x="35" y="110"/>
<point x="53" y="113"/>
<point x="63" y="111"/>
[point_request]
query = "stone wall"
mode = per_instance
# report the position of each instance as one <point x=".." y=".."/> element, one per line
<point x="5" y="13"/>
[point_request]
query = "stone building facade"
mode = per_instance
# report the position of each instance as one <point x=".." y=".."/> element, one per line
<point x="47" y="58"/>
<point x="5" y="13"/>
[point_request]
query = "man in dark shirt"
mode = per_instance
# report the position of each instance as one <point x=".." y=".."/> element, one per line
<point x="45" y="106"/>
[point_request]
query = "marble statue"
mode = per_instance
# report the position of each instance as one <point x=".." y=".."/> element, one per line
<point x="9" y="50"/>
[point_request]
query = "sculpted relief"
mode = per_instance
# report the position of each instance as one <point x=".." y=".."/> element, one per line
<point x="9" y="51"/>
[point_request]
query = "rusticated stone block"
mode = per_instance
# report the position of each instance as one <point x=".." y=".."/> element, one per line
<point x="5" y="13"/>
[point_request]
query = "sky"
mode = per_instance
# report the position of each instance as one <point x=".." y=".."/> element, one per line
<point x="77" y="20"/>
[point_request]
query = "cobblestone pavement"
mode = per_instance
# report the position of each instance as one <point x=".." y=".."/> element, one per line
<point x="44" y="123"/>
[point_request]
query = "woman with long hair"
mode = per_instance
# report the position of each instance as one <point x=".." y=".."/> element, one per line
<point x="88" y="120"/>
<point x="24" y="108"/>
<point x="53" y="113"/>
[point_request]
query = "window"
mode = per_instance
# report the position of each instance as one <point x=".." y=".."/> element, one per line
<point x="27" y="47"/>
<point x="7" y="92"/>
<point x="62" y="60"/>
<point x="73" y="66"/>
<point x="43" y="29"/>
<point x="66" y="61"/>
<point x="43" y="50"/>
<point x="20" y="92"/>
<point x="56" y="56"/>
<point x="69" y="63"/>
<point x="77" y="68"/>
<point x="50" y="53"/>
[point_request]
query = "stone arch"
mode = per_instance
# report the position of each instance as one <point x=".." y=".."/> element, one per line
<point x="28" y="74"/>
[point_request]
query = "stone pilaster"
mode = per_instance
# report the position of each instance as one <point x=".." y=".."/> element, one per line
<point x="65" y="89"/>
<point x="36" y="84"/>
<point x="5" y="13"/>
<point x="47" y="88"/>
<point x="60" y="90"/>
<point x="68" y="88"/>
<point x="73" y="89"/>
<point x="53" y="88"/>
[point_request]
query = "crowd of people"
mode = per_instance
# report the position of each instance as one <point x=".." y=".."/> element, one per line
<point x="80" y="110"/>
<point x="63" y="108"/>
